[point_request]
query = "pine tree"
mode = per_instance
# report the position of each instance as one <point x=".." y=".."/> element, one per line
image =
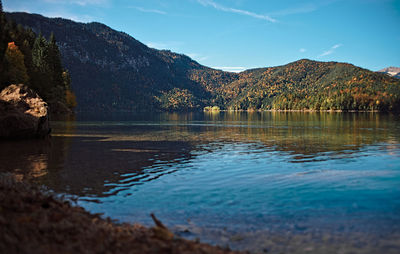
<point x="40" y="54"/>
<point x="41" y="79"/>
<point x="54" y="62"/>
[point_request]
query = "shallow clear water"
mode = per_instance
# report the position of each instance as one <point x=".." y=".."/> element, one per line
<point x="217" y="175"/>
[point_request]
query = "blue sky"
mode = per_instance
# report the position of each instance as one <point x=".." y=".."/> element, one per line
<point x="241" y="34"/>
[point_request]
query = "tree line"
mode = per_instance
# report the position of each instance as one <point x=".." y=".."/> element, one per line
<point x="310" y="85"/>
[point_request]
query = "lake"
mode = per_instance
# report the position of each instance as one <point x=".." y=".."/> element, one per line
<point x="262" y="181"/>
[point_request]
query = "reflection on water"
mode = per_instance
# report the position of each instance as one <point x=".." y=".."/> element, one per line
<point x="287" y="173"/>
<point x="25" y="158"/>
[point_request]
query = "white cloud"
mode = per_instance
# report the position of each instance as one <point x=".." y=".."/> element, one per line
<point x="230" y="69"/>
<point x="197" y="57"/>
<point x="302" y="50"/>
<point x="237" y="11"/>
<point x="156" y="45"/>
<point x="78" y="2"/>
<point x="303" y="8"/>
<point x="296" y="10"/>
<point x="331" y="50"/>
<point x="150" y="10"/>
<point x="83" y="19"/>
<point x="25" y="9"/>
<point x="171" y="45"/>
<point x="89" y="2"/>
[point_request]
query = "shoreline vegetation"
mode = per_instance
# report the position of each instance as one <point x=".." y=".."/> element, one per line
<point x="207" y="109"/>
<point x="35" y="220"/>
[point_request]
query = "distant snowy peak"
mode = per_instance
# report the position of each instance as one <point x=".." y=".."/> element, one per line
<point x="392" y="71"/>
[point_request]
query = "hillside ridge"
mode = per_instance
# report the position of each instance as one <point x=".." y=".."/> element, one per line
<point x="113" y="71"/>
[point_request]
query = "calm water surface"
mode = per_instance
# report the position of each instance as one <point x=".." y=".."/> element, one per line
<point x="231" y="178"/>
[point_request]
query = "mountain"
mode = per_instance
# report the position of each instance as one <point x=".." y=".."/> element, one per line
<point x="392" y="71"/>
<point x="307" y="84"/>
<point x="112" y="71"/>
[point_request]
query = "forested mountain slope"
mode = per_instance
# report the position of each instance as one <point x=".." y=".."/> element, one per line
<point x="307" y="84"/>
<point x="112" y="71"/>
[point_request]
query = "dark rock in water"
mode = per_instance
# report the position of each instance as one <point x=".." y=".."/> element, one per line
<point x="23" y="114"/>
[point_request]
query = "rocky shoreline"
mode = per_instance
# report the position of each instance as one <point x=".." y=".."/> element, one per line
<point x="35" y="220"/>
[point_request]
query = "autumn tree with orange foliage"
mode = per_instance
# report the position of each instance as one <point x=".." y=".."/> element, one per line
<point x="16" y="71"/>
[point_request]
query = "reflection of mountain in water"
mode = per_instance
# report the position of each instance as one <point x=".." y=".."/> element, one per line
<point x="94" y="168"/>
<point x="310" y="135"/>
<point x="279" y="174"/>
<point x="102" y="158"/>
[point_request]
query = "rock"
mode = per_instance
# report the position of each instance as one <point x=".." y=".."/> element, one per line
<point x="23" y="114"/>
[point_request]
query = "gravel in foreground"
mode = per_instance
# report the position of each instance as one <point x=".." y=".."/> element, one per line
<point x="34" y="220"/>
